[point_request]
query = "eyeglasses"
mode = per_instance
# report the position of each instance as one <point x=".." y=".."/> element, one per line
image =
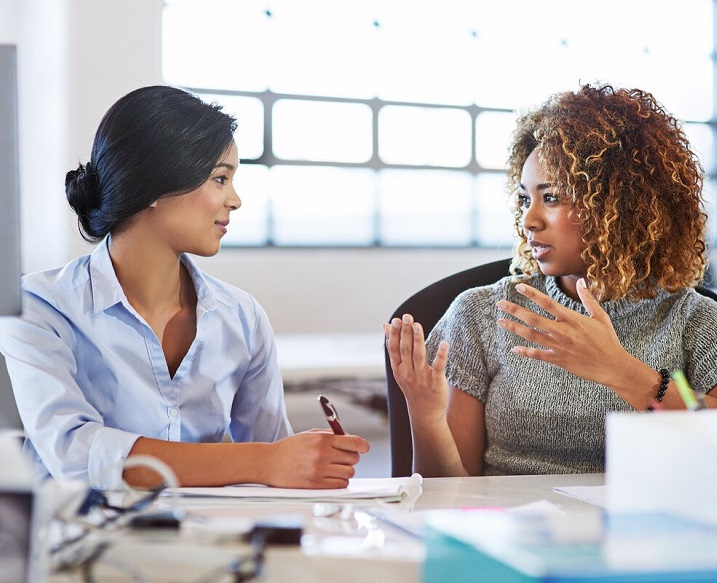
<point x="168" y="559"/>
<point x="97" y="499"/>
<point x="93" y="514"/>
<point x="102" y="546"/>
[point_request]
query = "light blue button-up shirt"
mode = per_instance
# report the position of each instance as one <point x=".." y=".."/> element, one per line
<point x="90" y="376"/>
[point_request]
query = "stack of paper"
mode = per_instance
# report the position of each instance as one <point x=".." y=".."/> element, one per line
<point x="359" y="491"/>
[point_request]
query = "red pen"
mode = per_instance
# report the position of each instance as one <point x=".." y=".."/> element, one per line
<point x="331" y="415"/>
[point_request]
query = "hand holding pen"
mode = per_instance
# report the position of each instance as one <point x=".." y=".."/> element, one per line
<point x="331" y="415"/>
<point x="693" y="401"/>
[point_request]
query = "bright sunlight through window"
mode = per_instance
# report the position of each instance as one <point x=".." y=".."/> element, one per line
<point x="386" y="123"/>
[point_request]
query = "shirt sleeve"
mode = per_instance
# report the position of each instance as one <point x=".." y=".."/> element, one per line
<point x="66" y="433"/>
<point x="258" y="409"/>
<point x="466" y="326"/>
<point x="701" y="344"/>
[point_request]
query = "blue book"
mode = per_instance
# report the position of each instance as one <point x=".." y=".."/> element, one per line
<point x="499" y="546"/>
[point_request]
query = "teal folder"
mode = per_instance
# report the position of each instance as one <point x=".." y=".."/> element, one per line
<point x="651" y="548"/>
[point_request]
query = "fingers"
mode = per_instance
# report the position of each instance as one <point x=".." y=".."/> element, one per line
<point x="532" y="326"/>
<point x="333" y="483"/>
<point x="543" y="300"/>
<point x="387" y="331"/>
<point x="393" y="340"/>
<point x="545" y="331"/>
<point x="535" y="353"/>
<point x="348" y="442"/>
<point x="314" y="459"/>
<point x="556" y="309"/>
<point x="534" y="323"/>
<point x="537" y="325"/>
<point x="406" y="343"/>
<point x="352" y="443"/>
<point x="527" y="332"/>
<point x="338" y="458"/>
<point x="439" y="363"/>
<point x="591" y="304"/>
<point x="419" y="346"/>
<point x="579" y="343"/>
<point x="418" y="379"/>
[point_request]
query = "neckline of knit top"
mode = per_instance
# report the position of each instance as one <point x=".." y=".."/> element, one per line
<point x="615" y="309"/>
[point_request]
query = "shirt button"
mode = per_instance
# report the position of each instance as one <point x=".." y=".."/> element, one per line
<point x="173" y="412"/>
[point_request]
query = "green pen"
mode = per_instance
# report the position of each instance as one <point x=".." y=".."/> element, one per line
<point x="692" y="402"/>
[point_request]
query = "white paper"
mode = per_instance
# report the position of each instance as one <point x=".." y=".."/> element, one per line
<point x="359" y="489"/>
<point x="500" y="529"/>
<point x="596" y="495"/>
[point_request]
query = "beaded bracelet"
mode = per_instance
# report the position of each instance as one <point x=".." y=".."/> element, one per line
<point x="663" y="387"/>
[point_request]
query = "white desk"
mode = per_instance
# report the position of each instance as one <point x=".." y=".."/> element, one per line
<point x="505" y="491"/>
<point x="167" y="556"/>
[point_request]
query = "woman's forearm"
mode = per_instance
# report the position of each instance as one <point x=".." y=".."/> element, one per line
<point x="199" y="464"/>
<point x="435" y="453"/>
<point x="312" y="459"/>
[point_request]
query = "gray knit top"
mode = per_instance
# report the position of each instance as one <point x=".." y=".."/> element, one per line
<point x="541" y="419"/>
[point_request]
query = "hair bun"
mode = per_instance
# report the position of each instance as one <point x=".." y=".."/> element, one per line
<point x="81" y="189"/>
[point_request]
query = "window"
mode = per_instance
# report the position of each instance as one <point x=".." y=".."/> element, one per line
<point x="387" y="123"/>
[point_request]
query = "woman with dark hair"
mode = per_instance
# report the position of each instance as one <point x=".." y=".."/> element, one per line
<point x="133" y="350"/>
<point x="611" y="243"/>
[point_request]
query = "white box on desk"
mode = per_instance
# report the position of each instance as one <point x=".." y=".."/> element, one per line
<point x="662" y="462"/>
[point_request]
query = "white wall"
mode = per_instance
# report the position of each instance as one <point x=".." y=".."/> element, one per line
<point x="76" y="57"/>
<point x="337" y="290"/>
<point x="38" y="30"/>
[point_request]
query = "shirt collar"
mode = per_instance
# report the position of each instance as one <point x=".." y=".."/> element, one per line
<point x="205" y="296"/>
<point x="107" y="291"/>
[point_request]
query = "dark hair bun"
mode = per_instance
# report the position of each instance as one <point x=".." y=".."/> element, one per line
<point x="82" y="194"/>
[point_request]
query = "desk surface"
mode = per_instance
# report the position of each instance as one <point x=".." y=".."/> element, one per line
<point x="340" y="551"/>
<point x="504" y="491"/>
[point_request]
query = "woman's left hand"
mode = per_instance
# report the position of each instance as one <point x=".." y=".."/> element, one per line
<point x="586" y="346"/>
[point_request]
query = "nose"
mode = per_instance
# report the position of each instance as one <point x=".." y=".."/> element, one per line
<point x="533" y="217"/>
<point x="233" y="200"/>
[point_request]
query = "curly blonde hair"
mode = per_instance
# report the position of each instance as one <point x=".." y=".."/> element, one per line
<point x="634" y="183"/>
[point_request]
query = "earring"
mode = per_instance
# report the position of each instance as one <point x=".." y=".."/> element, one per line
<point x="154" y="204"/>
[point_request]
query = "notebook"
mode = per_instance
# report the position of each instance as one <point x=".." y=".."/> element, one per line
<point x="359" y="490"/>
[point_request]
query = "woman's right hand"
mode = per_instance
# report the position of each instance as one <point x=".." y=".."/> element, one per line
<point x="424" y="385"/>
<point x="313" y="459"/>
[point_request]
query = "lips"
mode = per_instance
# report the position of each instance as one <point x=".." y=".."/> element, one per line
<point x="539" y="249"/>
<point x="222" y="225"/>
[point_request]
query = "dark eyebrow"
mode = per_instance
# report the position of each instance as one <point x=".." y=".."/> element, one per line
<point x="224" y="165"/>
<point x="541" y="186"/>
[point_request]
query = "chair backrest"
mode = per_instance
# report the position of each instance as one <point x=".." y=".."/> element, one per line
<point x="707" y="292"/>
<point x="427" y="306"/>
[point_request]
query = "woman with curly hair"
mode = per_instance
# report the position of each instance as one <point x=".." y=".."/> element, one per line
<point x="601" y="307"/>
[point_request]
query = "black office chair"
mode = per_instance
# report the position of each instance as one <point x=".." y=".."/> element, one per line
<point x="427" y="306"/>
